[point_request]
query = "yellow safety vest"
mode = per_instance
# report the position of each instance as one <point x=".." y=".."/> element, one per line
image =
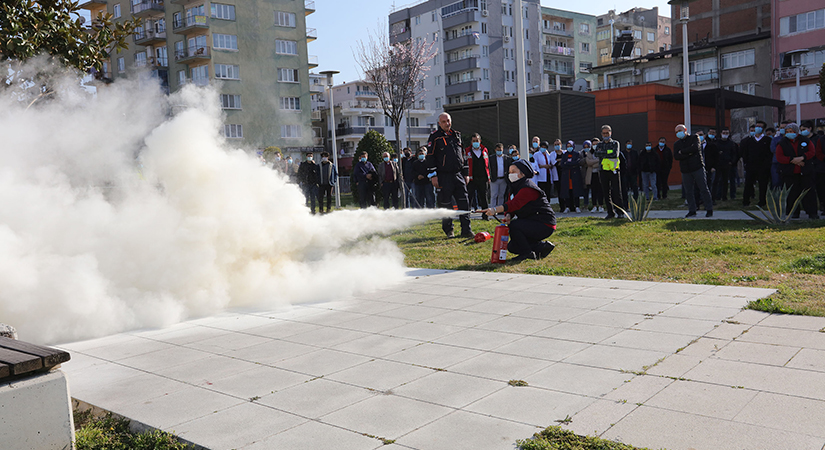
<point x="611" y="160"/>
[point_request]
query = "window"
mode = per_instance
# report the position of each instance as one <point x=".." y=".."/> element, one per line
<point x="469" y="97"/>
<point x="585" y="47"/>
<point x="485" y="50"/>
<point x="286" y="47"/>
<point x="437" y="102"/>
<point x="486" y="96"/>
<point x="637" y="51"/>
<point x="438" y="80"/>
<point x="584" y="28"/>
<point x="657" y="73"/>
<point x="291" y="103"/>
<point x="435" y="36"/>
<point x="116" y="11"/>
<point x="365" y="121"/>
<point x="737" y="59"/>
<point x="412" y="121"/>
<point x="291" y="131"/>
<point x="233" y="131"/>
<point x="603" y="52"/>
<point x="484" y="27"/>
<point x="667" y="31"/>
<point x="603" y="35"/>
<point x="703" y="70"/>
<point x="418" y="20"/>
<point x="288" y="76"/>
<point x="433" y="16"/>
<point x="807" y="94"/>
<point x="140" y="59"/>
<point x="181" y="77"/>
<point x="121" y="65"/>
<point x="637" y="34"/>
<point x="387" y="121"/>
<point x="225" y="41"/>
<point x="800" y="23"/>
<point x="745" y="88"/>
<point x="230" y="101"/>
<point x="651" y="36"/>
<point x="221" y="11"/>
<point x="227" y="72"/>
<point x="486" y="74"/>
<point x="284" y="19"/>
<point x="435" y="59"/>
<point x="200" y="75"/>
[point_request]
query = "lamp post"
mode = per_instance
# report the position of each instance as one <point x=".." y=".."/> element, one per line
<point x="798" y="67"/>
<point x="521" y="82"/>
<point x="684" y="17"/>
<point x="329" y="74"/>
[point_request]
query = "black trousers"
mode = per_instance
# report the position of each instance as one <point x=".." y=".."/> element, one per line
<point x="753" y="176"/>
<point x="661" y="183"/>
<point x="526" y="235"/>
<point x="311" y="194"/>
<point x="819" y="183"/>
<point x="326" y="190"/>
<point x="612" y="189"/>
<point x="390" y="193"/>
<point x="453" y="186"/>
<point x="798" y="183"/>
<point x="720" y="183"/>
<point x="477" y="192"/>
<point x="365" y="197"/>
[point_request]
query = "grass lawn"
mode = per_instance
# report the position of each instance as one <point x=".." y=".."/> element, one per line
<point x="557" y="438"/>
<point x="789" y="258"/>
<point x="111" y="433"/>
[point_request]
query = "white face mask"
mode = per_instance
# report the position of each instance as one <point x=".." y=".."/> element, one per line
<point x="513" y="177"/>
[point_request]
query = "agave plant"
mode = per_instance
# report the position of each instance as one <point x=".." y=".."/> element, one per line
<point x="637" y="209"/>
<point x="777" y="205"/>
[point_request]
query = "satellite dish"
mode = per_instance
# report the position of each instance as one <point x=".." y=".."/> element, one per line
<point x="580" y="85"/>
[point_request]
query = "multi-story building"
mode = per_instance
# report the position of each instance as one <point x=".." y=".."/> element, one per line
<point x="568" y="48"/>
<point x="651" y="32"/>
<point x="475" y="48"/>
<point x="799" y="44"/>
<point x="255" y="51"/>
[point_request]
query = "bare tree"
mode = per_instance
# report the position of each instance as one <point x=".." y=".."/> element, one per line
<point x="395" y="72"/>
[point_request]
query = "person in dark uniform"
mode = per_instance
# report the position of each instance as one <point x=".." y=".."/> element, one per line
<point x="727" y="154"/>
<point x="449" y="172"/>
<point x="479" y="169"/>
<point x="795" y="154"/>
<point x="665" y="155"/>
<point x="533" y="218"/>
<point x="757" y="156"/>
<point x="688" y="151"/>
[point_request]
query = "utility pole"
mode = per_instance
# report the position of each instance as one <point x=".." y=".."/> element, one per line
<point x="521" y="83"/>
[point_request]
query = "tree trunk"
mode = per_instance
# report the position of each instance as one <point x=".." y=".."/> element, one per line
<point x="398" y="139"/>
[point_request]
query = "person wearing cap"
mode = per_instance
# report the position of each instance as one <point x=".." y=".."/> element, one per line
<point x="795" y="154"/>
<point x="532" y="220"/>
<point x="570" y="177"/>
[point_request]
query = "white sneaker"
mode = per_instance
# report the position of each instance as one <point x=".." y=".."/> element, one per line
<point x="566" y="210"/>
<point x="578" y="210"/>
<point x="600" y="209"/>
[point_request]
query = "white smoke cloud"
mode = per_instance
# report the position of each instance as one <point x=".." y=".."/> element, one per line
<point x="89" y="246"/>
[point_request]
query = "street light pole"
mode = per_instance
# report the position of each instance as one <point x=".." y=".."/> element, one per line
<point x="521" y="82"/>
<point x="798" y="99"/>
<point x="684" y="17"/>
<point x="329" y="74"/>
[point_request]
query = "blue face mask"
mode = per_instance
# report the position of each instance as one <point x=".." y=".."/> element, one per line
<point x="711" y="136"/>
<point x="805" y="132"/>
<point x="758" y="130"/>
<point x="543" y="150"/>
<point x="790" y="136"/>
<point x="515" y="157"/>
<point x="781" y="131"/>
<point x="629" y="146"/>
<point x="661" y="144"/>
<point x="753" y="133"/>
<point x="680" y="135"/>
<point x="535" y="145"/>
<point x="476" y="144"/>
<point x="569" y="149"/>
<point x="557" y="147"/>
<point x="363" y="160"/>
<point x="499" y="152"/>
<point x="701" y="138"/>
<point x="395" y="160"/>
<point x="422" y="157"/>
<point x="386" y="159"/>
<point x="647" y="147"/>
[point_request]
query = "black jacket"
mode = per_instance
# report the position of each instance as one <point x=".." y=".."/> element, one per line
<point x="709" y="153"/>
<point x="727" y="153"/>
<point x="631" y="167"/>
<point x="689" y="154"/>
<point x="665" y="158"/>
<point x="445" y="153"/>
<point x="756" y="154"/>
<point x="648" y="161"/>
<point x="308" y="173"/>
<point x="538" y="209"/>
<point x="494" y="166"/>
<point x="420" y="168"/>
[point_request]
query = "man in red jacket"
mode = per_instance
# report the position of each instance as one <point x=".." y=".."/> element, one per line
<point x="479" y="173"/>
<point x="795" y="154"/>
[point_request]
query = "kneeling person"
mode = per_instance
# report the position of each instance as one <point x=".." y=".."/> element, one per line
<point x="533" y="218"/>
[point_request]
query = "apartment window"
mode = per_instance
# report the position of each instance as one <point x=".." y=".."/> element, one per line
<point x="738" y="59"/>
<point x="637" y="34"/>
<point x="234" y="131"/>
<point x="435" y="36"/>
<point x="418" y="20"/>
<point x="438" y="80"/>
<point x="584" y="28"/>
<point x="291" y="103"/>
<point x="291" y="131"/>
<point x="603" y="35"/>
<point x="121" y="65"/>
<point x="412" y="121"/>
<point x="200" y="75"/>
<point x="225" y="41"/>
<point x="227" y="72"/>
<point x="651" y="36"/>
<point x="469" y="97"/>
<point x="288" y="76"/>
<point x="745" y="88"/>
<point x="603" y="52"/>
<point x="485" y="50"/>
<point x="667" y="31"/>
<point x="116" y="11"/>
<point x="703" y="70"/>
<point x="657" y="73"/>
<point x="485" y="74"/>
<point x="486" y="96"/>
<point x="484" y="27"/>
<point x="181" y="77"/>
<point x="585" y="47"/>
<point x="807" y="94"/>
<point x="365" y="121"/>
<point x="286" y="47"/>
<point x="437" y="102"/>
<point x="432" y="18"/>
<point x="799" y="23"/>
<point x="221" y="11"/>
<point x="435" y="59"/>
<point x="637" y="51"/>
<point x="388" y="122"/>
<point x="284" y="19"/>
<point x="230" y="101"/>
<point x="140" y="59"/>
<point x="585" y="66"/>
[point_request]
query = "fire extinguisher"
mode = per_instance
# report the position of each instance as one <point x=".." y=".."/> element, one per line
<point x="500" y="240"/>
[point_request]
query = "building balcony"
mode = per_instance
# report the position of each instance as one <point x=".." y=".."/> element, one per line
<point x="401" y="36"/>
<point x="419" y="131"/>
<point x="789" y="73"/>
<point x="147" y="8"/>
<point x="312" y="34"/>
<point x="190" y="24"/>
<point x="363" y="93"/>
<point x="312" y="60"/>
<point x="462" y="87"/>
<point x="93" y="4"/>
<point x="316" y="115"/>
<point x="700" y="78"/>
<point x="157" y="63"/>
<point x="192" y="54"/>
<point x="351" y="131"/>
<point x="461" y="41"/>
<point x="558" y="70"/>
<point x="563" y="51"/>
<point x="468" y="63"/>
<point x="101" y="77"/>
<point x="557" y="32"/>
<point x="150" y="37"/>
<point x="318" y="141"/>
<point x="461" y="17"/>
<point x="309" y="7"/>
<point x="317" y="88"/>
<point x="360" y="105"/>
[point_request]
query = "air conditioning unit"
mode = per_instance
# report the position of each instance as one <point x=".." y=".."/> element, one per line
<point x="484" y="13"/>
<point x="506" y="39"/>
<point x="529" y="62"/>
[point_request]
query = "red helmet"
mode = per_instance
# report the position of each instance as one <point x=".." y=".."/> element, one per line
<point x="483" y="236"/>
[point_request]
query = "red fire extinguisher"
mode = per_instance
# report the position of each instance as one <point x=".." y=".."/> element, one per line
<point x="500" y="240"/>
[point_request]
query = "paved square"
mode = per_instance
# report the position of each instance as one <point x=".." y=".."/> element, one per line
<point x="426" y="364"/>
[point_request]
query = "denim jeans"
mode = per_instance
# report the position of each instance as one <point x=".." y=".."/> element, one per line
<point x="649" y="184"/>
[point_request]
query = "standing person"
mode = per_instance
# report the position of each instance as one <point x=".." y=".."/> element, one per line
<point x="278" y="163"/>
<point x="291" y="170"/>
<point x="499" y="168"/>
<point x="708" y="146"/>
<point x="630" y="171"/>
<point x="665" y="166"/>
<point x="409" y="178"/>
<point x="610" y="157"/>
<point x="328" y="178"/>
<point x="795" y="154"/>
<point x="649" y="167"/>
<point x="533" y="218"/>
<point x="544" y="165"/>
<point x="308" y="177"/>
<point x="688" y="152"/>
<point x="388" y="175"/>
<point x="364" y="174"/>
<point x="514" y="154"/>
<point x="776" y="178"/>
<point x="479" y="169"/>
<point x="449" y="171"/>
<point x="818" y="141"/>
<point x="757" y="156"/>
<point x="592" y="178"/>
<point x="727" y="152"/>
<point x="570" y="177"/>
<point x="422" y="188"/>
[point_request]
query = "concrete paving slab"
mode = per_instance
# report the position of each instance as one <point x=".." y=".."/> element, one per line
<point x="380" y="375"/>
<point x="530" y="405"/>
<point x="478" y="339"/>
<point x="690" y="327"/>
<point x="599" y="416"/>
<point x="775" y="355"/>
<point x="434" y="355"/>
<point x="609" y="357"/>
<point x="635" y="307"/>
<point x="785" y="336"/>
<point x="794" y="322"/>
<point x="569" y="331"/>
<point x="452" y="390"/>
<point x="320" y="435"/>
<point x="546" y="349"/>
<point x="638" y="389"/>
<point x="648" y="340"/>
<point x="475" y="431"/>
<point x="779" y="380"/>
<point x="808" y="359"/>
<point x="168" y="411"/>
<point x="316" y="398"/>
<point x="795" y="414"/>
<point x="573" y="379"/>
<point x="722" y="402"/>
<point x="500" y="367"/>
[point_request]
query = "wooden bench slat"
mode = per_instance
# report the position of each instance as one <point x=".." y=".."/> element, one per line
<point x="51" y="356"/>
<point x="20" y="362"/>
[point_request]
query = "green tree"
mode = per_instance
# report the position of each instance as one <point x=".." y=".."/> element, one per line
<point x="374" y="143"/>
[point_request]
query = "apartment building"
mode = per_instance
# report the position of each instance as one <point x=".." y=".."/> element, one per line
<point x="799" y="44"/>
<point x="476" y="49"/>
<point x="568" y="48"/>
<point x="254" y="51"/>
<point x="651" y="32"/>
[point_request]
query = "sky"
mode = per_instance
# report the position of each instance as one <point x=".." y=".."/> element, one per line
<point x="342" y="24"/>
